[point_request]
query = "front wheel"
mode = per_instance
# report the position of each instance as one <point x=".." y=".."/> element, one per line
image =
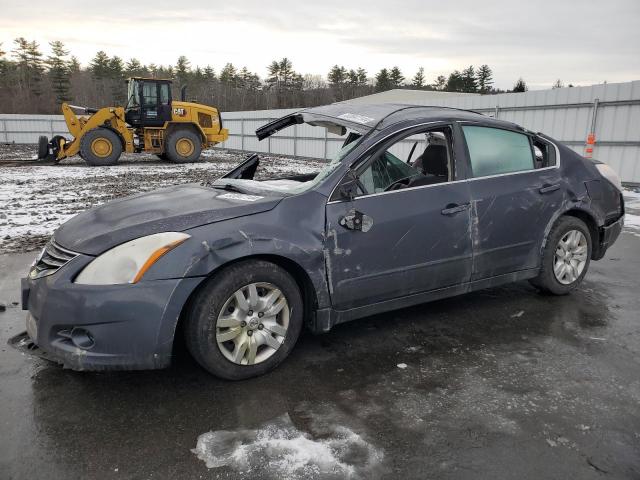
<point x="183" y="146"/>
<point x="100" y="147"/>
<point x="566" y="257"/>
<point x="245" y="320"/>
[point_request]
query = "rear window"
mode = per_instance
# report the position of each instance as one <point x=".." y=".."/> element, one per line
<point x="493" y="151"/>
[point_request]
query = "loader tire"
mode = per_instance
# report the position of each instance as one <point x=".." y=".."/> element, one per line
<point x="183" y="146"/>
<point x="43" y="147"/>
<point x="100" y="147"/>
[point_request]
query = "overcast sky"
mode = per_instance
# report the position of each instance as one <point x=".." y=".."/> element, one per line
<point x="581" y="42"/>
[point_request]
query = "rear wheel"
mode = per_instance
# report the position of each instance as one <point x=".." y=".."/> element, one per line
<point x="566" y="257"/>
<point x="245" y="320"/>
<point x="183" y="146"/>
<point x="100" y="147"/>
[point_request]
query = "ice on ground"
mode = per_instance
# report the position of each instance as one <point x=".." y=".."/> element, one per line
<point x="631" y="197"/>
<point x="280" y="450"/>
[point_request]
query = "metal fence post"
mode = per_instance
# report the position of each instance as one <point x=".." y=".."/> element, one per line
<point x="51" y="127"/>
<point x="4" y="130"/>
<point x="496" y="112"/>
<point x="326" y="140"/>
<point x="295" y="140"/>
<point x="242" y="134"/>
<point x="591" y="135"/>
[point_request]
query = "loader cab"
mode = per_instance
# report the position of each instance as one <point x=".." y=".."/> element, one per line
<point x="148" y="102"/>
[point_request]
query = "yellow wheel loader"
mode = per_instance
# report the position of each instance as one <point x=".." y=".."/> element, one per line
<point x="150" y="122"/>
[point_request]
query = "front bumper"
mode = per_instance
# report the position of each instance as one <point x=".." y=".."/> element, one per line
<point x="89" y="327"/>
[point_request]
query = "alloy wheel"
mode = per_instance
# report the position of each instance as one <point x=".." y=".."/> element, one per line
<point x="570" y="257"/>
<point x="253" y="323"/>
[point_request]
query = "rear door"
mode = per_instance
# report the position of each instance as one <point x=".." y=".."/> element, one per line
<point x="386" y="244"/>
<point x="516" y="190"/>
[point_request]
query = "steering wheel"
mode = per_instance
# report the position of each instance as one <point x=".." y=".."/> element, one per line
<point x="398" y="184"/>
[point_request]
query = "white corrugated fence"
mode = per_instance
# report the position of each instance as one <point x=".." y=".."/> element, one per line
<point x="566" y="114"/>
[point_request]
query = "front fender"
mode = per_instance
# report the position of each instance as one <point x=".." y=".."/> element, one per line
<point x="293" y="230"/>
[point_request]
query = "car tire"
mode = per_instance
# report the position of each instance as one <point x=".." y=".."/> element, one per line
<point x="565" y="258"/>
<point x="183" y="146"/>
<point x="218" y="323"/>
<point x="100" y="147"/>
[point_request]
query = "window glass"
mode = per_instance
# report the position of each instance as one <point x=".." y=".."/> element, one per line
<point x="493" y="151"/>
<point x="384" y="171"/>
<point x="149" y="94"/>
<point x="164" y="93"/>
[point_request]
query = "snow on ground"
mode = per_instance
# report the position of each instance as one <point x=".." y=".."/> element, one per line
<point x="280" y="450"/>
<point x="35" y="200"/>
<point x="632" y="211"/>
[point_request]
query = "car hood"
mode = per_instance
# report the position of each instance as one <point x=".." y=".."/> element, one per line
<point x="170" y="209"/>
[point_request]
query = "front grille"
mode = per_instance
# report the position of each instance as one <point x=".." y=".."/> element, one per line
<point x="51" y="259"/>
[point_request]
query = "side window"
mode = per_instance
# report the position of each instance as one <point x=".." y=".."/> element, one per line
<point x="410" y="161"/>
<point x="164" y="93"/>
<point x="545" y="153"/>
<point x="493" y="151"/>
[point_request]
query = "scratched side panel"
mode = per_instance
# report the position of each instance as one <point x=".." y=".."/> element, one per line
<point x="293" y="230"/>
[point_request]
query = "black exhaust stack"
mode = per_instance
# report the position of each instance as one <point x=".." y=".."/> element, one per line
<point x="183" y="93"/>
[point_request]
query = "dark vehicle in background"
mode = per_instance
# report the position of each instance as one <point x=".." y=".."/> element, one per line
<point x="420" y="203"/>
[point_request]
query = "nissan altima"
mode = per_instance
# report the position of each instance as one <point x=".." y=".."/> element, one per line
<point x="419" y="203"/>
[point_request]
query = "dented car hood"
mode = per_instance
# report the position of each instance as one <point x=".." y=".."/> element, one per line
<point x="176" y="208"/>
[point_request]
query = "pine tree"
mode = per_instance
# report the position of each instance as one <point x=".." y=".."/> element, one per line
<point x="469" y="84"/>
<point x="520" y="86"/>
<point x="362" y="77"/>
<point x="74" y="64"/>
<point x="418" y="79"/>
<point x="99" y="65"/>
<point x="352" y="78"/>
<point x="229" y="74"/>
<point x="183" y="68"/>
<point x="59" y="72"/>
<point x="337" y="76"/>
<point x="484" y="78"/>
<point x="396" y="77"/>
<point x="383" y="81"/>
<point x="455" y="82"/>
<point x="209" y="73"/>
<point x="133" y="68"/>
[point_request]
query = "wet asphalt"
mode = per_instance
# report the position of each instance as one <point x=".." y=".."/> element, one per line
<point x="502" y="383"/>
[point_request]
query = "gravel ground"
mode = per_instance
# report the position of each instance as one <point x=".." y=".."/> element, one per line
<point x="35" y="199"/>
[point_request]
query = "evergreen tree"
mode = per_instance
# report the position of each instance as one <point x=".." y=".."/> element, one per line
<point x="362" y="77"/>
<point x="352" y="78"/>
<point x="229" y="74"/>
<point x="469" y="84"/>
<point x="455" y="82"/>
<point x="338" y="76"/>
<point x="59" y="72"/>
<point x="99" y="65"/>
<point x="558" y="84"/>
<point x="383" y="81"/>
<point x="133" y="68"/>
<point x="396" y="77"/>
<point x="74" y="64"/>
<point x="209" y="73"/>
<point x="418" y="79"/>
<point x="183" y="67"/>
<point x="520" y="86"/>
<point x="484" y="78"/>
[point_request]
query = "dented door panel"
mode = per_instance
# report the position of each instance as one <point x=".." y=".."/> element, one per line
<point x="410" y="246"/>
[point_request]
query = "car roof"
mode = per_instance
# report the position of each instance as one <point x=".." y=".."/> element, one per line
<point x="366" y="117"/>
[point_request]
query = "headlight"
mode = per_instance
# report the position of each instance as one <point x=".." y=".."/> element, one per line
<point x="609" y="173"/>
<point x="127" y="263"/>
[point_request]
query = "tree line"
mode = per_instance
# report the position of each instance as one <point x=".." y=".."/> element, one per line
<point x="32" y="82"/>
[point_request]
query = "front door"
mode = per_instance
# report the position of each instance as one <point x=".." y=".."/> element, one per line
<point x="388" y="243"/>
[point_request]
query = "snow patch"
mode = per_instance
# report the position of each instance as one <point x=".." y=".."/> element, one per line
<point x="279" y="450"/>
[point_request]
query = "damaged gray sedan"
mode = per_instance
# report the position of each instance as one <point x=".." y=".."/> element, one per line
<point x="420" y="203"/>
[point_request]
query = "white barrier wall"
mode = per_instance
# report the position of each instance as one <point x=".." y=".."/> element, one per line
<point x="566" y="114"/>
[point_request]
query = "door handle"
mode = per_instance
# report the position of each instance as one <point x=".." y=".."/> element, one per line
<point x="355" y="220"/>
<point x="549" y="188"/>
<point x="453" y="208"/>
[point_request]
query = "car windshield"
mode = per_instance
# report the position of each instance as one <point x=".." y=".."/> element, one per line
<point x="289" y="186"/>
